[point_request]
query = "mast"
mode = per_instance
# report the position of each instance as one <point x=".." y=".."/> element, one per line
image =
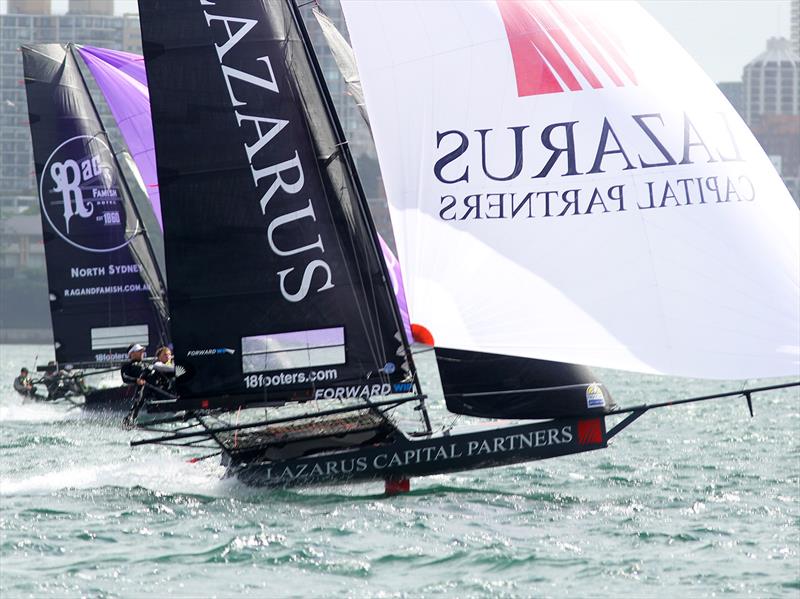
<point x="344" y="148"/>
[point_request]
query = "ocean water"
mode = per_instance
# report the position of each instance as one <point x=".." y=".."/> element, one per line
<point x="693" y="501"/>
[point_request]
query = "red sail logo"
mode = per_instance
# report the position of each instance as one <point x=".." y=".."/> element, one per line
<point x="556" y="48"/>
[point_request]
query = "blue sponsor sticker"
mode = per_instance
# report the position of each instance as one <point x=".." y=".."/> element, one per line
<point x="595" y="397"/>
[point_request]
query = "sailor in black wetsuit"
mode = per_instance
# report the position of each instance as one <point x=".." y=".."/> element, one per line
<point x="51" y="379"/>
<point x="135" y="372"/>
<point x="164" y="370"/>
<point x="57" y="382"/>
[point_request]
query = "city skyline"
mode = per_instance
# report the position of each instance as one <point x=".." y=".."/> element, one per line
<point x="721" y="35"/>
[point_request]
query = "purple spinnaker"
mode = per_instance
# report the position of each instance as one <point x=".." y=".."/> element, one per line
<point x="393" y="266"/>
<point x="122" y="79"/>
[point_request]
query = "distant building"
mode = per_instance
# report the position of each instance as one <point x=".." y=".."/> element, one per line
<point x="795" y="33"/>
<point x="131" y="33"/>
<point x="91" y="7"/>
<point x="24" y="306"/>
<point x="772" y="82"/>
<point x="11" y="205"/>
<point x="21" y="246"/>
<point x="734" y="92"/>
<point x="779" y="135"/>
<point x="29" y="7"/>
<point x="772" y="107"/>
<point x="30" y="21"/>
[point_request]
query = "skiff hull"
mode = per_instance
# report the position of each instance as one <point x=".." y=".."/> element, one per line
<point x="468" y="448"/>
<point x="110" y="399"/>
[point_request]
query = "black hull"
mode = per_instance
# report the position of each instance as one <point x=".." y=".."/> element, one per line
<point x="400" y="458"/>
<point x="110" y="399"/>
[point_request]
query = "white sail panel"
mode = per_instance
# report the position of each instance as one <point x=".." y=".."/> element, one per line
<point x="566" y="184"/>
<point x="115" y="337"/>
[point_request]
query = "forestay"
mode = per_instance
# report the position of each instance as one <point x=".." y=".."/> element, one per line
<point x="277" y="289"/>
<point x="105" y="291"/>
<point x="566" y="184"/>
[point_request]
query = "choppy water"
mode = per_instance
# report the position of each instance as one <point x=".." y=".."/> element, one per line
<point x="697" y="501"/>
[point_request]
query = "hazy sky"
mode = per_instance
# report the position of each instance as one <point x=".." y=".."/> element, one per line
<point x="722" y="35"/>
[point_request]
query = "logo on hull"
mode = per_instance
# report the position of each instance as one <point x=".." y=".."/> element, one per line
<point x="595" y="397"/>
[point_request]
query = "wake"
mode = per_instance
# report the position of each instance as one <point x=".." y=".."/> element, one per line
<point x="36" y="412"/>
<point x="157" y="473"/>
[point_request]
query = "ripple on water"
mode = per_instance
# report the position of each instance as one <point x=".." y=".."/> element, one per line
<point x="699" y="512"/>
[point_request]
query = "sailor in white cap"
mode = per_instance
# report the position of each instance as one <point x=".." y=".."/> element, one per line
<point x="134" y="371"/>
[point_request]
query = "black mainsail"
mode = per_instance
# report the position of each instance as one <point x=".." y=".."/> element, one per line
<point x="277" y="289"/>
<point x="105" y="289"/>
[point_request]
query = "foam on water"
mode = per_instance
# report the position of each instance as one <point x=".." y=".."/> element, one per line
<point x="35" y="412"/>
<point x="162" y="473"/>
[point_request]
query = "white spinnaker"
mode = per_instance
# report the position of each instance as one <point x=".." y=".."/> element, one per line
<point x="696" y="287"/>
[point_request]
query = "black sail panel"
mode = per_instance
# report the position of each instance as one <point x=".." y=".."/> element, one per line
<point x="105" y="291"/>
<point x="500" y="386"/>
<point x="276" y="287"/>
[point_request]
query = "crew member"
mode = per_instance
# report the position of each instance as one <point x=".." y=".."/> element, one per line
<point x="52" y="380"/>
<point x="135" y="371"/>
<point x="23" y="384"/>
<point x="164" y="370"/>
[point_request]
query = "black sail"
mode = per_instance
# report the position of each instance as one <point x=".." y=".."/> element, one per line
<point x="105" y="288"/>
<point x="277" y="290"/>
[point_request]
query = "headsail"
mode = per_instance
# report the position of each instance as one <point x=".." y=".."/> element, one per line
<point x="566" y="184"/>
<point x="105" y="290"/>
<point x="277" y="289"/>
